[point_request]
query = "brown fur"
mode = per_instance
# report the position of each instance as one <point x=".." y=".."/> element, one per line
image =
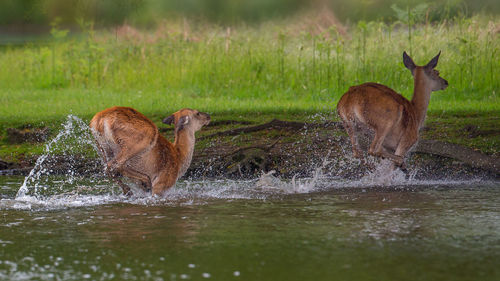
<point x="394" y="119"/>
<point x="131" y="146"/>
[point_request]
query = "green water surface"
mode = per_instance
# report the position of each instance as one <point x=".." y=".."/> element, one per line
<point x="428" y="232"/>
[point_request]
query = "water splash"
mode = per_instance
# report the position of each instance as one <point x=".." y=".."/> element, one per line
<point x="268" y="181"/>
<point x="69" y="164"/>
<point x="384" y="175"/>
<point x="56" y="181"/>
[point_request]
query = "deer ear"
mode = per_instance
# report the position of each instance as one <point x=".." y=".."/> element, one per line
<point x="433" y="62"/>
<point x="183" y="121"/>
<point x="408" y="62"/>
<point x="169" y="120"/>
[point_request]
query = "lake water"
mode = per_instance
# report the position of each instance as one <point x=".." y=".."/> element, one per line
<point x="264" y="229"/>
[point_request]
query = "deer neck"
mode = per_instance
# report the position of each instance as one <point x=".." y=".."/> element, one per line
<point x="421" y="97"/>
<point x="184" y="144"/>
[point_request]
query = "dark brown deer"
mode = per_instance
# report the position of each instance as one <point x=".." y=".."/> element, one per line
<point x="394" y="120"/>
<point x="131" y="146"/>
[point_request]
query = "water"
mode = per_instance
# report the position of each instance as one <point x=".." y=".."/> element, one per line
<point x="63" y="226"/>
<point x="225" y="230"/>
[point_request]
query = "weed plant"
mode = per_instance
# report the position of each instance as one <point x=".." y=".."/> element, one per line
<point x="273" y="68"/>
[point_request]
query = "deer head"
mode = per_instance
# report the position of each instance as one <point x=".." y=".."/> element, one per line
<point x="431" y="75"/>
<point x="188" y="119"/>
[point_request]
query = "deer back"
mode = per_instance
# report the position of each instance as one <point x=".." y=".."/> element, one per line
<point x="125" y="127"/>
<point x="375" y="104"/>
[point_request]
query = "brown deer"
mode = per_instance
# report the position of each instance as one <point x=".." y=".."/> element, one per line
<point x="131" y="146"/>
<point x="394" y="120"/>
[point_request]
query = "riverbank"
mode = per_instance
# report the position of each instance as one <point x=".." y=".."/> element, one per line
<point x="293" y="70"/>
<point x="235" y="146"/>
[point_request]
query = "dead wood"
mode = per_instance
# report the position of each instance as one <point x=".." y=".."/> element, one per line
<point x="444" y="149"/>
<point x="274" y="124"/>
<point x="261" y="147"/>
<point x="461" y="153"/>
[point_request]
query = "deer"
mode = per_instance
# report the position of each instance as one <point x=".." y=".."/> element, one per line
<point x="131" y="146"/>
<point x="395" y="120"/>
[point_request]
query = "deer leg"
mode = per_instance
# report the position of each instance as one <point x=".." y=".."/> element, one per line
<point x="377" y="149"/>
<point x="159" y="189"/>
<point x="125" y="188"/>
<point x="165" y="180"/>
<point x="144" y="179"/>
<point x="349" y="127"/>
<point x="126" y="153"/>
<point x="112" y="174"/>
<point x="404" y="145"/>
<point x="104" y="151"/>
<point x="395" y="158"/>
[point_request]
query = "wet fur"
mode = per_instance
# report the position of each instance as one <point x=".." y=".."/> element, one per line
<point x="394" y="120"/>
<point x="131" y="146"/>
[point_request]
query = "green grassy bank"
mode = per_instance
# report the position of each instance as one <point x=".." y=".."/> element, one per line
<point x="282" y="69"/>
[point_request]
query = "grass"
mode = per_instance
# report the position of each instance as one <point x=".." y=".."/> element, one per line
<point x="254" y="73"/>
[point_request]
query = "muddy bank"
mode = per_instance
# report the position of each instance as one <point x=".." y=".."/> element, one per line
<point x="231" y="149"/>
<point x="298" y="149"/>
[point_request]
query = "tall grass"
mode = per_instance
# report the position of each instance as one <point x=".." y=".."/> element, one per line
<point x="276" y="67"/>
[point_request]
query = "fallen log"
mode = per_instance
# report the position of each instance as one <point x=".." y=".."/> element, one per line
<point x="457" y="152"/>
<point x="461" y="153"/>
<point x="274" y="124"/>
<point x="444" y="149"/>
